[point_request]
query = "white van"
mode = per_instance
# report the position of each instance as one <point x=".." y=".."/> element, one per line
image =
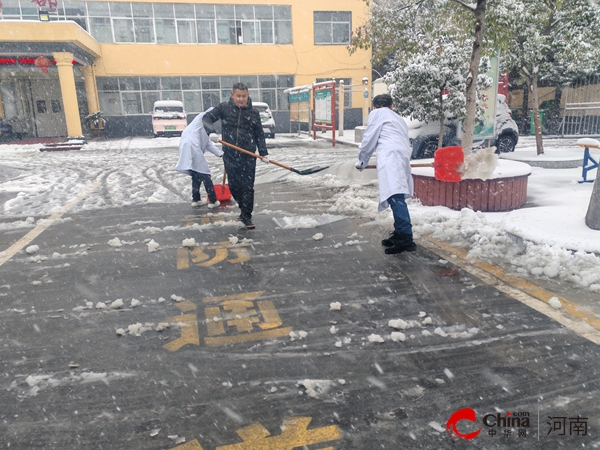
<point x="168" y="118"/>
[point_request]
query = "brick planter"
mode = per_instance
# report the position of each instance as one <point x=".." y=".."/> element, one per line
<point x="506" y="190"/>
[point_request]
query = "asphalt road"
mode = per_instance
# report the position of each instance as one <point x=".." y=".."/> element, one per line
<point x="214" y="362"/>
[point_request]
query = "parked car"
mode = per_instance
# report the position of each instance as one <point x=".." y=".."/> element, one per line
<point x="424" y="135"/>
<point x="168" y="118"/>
<point x="266" y="117"/>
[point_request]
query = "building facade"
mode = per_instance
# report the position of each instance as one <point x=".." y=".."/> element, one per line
<point x="120" y="57"/>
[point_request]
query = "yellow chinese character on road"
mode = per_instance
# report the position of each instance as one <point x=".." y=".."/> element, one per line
<point x="189" y="327"/>
<point x="206" y="256"/>
<point x="240" y="318"/>
<point x="294" y="434"/>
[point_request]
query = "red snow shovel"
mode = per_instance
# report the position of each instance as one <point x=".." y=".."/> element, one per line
<point x="447" y="164"/>
<point x="222" y="190"/>
<point x="299" y="172"/>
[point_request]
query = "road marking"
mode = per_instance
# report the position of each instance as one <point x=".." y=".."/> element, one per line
<point x="230" y="319"/>
<point x="294" y="434"/>
<point x="39" y="229"/>
<point x="221" y="253"/>
<point x="587" y="323"/>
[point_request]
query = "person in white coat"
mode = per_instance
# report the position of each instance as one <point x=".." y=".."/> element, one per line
<point x="387" y="133"/>
<point x="192" y="145"/>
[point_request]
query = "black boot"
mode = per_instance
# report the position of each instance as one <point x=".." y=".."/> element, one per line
<point x="402" y="243"/>
<point x="390" y="241"/>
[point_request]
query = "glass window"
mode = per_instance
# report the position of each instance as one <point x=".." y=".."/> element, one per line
<point x="282" y="100"/>
<point x="29" y="9"/>
<point x="226" y="32"/>
<point x="110" y="103"/>
<point x="11" y="8"/>
<point x="267" y="81"/>
<point x="269" y="96"/>
<point x="210" y="83"/>
<point x="107" y="83"/>
<point x="184" y="11"/>
<point x="251" y="81"/>
<point x="123" y="30"/>
<point x="129" y="83"/>
<point x="144" y="30"/>
<point x="283" y="33"/>
<point x="225" y="95"/>
<point x="285" y="81"/>
<point x="120" y="9"/>
<point x="132" y="103"/>
<point x="192" y="101"/>
<point x="148" y="99"/>
<point x="253" y="94"/>
<point x="250" y="32"/>
<point x="74" y="9"/>
<point x="41" y="106"/>
<point x="190" y="83"/>
<point x="171" y="83"/>
<point x="81" y="21"/>
<point x="266" y="32"/>
<point x="225" y="12"/>
<point x="206" y="31"/>
<point x="140" y="9"/>
<point x="323" y="33"/>
<point x="332" y="27"/>
<point x="56" y="108"/>
<point x="166" y="32"/>
<point x="263" y="12"/>
<point x="100" y="29"/>
<point x="186" y="31"/>
<point x="228" y="82"/>
<point x="341" y="33"/>
<point x="205" y="11"/>
<point x="210" y="98"/>
<point x="282" y="12"/>
<point x="244" y="12"/>
<point x="150" y="83"/>
<point x="171" y="95"/>
<point x="163" y="10"/>
<point x="99" y="9"/>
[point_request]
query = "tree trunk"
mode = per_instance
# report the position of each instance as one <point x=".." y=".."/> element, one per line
<point x="471" y="107"/>
<point x="523" y="128"/>
<point x="536" y="114"/>
<point x="592" y="218"/>
<point x="442" y="119"/>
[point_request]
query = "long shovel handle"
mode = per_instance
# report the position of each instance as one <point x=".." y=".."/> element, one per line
<point x="224" y="177"/>
<point x="235" y="147"/>
<point x="371" y="166"/>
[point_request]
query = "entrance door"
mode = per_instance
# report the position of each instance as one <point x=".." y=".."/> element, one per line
<point x="48" y="108"/>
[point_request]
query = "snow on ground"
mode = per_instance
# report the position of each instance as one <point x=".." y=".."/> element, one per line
<point x="546" y="238"/>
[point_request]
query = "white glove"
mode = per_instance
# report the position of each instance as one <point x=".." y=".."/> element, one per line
<point x="359" y="166"/>
<point x="265" y="159"/>
<point x="214" y="137"/>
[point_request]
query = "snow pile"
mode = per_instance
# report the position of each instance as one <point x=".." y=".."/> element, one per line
<point x="32" y="249"/>
<point x="152" y="246"/>
<point x="190" y="242"/>
<point x="316" y="388"/>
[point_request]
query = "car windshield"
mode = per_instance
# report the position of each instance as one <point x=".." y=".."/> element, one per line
<point x="169" y="109"/>
<point x="262" y="108"/>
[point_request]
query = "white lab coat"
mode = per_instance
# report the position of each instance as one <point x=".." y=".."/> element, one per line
<point x="387" y="133"/>
<point x="192" y="145"/>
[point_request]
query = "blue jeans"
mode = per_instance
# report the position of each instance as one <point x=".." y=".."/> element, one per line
<point x="402" y="223"/>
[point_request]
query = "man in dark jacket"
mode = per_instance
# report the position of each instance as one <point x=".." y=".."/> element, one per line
<point x="241" y="126"/>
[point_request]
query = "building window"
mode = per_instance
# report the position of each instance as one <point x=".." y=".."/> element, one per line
<point x="136" y="95"/>
<point x="332" y="28"/>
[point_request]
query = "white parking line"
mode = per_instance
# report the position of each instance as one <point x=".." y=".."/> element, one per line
<point x="29" y="237"/>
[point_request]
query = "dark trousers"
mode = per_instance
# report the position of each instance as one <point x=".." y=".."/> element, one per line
<point x="241" y="174"/>
<point x="402" y="223"/>
<point x="197" y="180"/>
